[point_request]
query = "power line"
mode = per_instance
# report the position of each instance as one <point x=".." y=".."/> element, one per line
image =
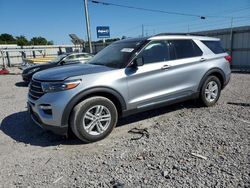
<point x="217" y="23"/>
<point x="165" y="12"/>
<point x="192" y="23"/>
<point x="210" y="25"/>
<point x="232" y="10"/>
<point x="146" y="9"/>
<point x="192" y="27"/>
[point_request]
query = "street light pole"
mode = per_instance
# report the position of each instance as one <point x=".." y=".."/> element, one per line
<point x="88" y="24"/>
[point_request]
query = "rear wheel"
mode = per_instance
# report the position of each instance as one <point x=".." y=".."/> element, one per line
<point x="210" y="91"/>
<point x="93" y="119"/>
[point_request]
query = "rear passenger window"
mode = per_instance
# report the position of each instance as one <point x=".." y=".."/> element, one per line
<point x="80" y="56"/>
<point x="185" y="49"/>
<point x="156" y="51"/>
<point x="214" y="46"/>
<point x="70" y="57"/>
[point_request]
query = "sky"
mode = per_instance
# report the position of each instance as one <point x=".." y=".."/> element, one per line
<point x="56" y="19"/>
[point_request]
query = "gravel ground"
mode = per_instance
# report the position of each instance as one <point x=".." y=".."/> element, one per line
<point x="188" y="146"/>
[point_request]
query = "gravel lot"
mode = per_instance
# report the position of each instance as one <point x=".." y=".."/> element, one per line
<point x="30" y="156"/>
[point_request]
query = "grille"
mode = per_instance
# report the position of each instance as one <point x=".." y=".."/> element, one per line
<point x="35" y="90"/>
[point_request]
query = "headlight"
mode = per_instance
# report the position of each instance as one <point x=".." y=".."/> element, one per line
<point x="33" y="70"/>
<point x="60" y="86"/>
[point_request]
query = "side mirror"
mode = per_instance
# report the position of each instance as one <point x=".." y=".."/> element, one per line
<point x="138" y="62"/>
<point x="62" y="62"/>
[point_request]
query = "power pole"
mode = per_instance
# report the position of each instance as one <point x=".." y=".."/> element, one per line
<point x="142" y="30"/>
<point x="88" y="25"/>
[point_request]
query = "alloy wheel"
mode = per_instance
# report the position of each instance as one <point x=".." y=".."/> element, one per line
<point x="96" y="120"/>
<point x="211" y="91"/>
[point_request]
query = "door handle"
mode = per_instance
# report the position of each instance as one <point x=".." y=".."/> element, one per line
<point x="165" y="67"/>
<point x="202" y="59"/>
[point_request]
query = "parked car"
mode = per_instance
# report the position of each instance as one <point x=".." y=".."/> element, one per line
<point x="127" y="77"/>
<point x="61" y="60"/>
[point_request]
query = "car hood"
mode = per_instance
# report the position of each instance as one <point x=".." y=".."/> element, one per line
<point x="41" y="67"/>
<point x="64" y="72"/>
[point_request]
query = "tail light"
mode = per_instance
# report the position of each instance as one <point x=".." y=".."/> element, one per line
<point x="229" y="59"/>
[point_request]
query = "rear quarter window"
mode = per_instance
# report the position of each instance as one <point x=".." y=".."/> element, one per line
<point x="214" y="46"/>
<point x="185" y="49"/>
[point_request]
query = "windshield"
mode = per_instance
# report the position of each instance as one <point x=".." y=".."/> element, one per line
<point x="115" y="55"/>
<point x="58" y="58"/>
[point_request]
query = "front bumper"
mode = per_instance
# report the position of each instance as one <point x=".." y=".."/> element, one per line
<point x="61" y="130"/>
<point x="26" y="77"/>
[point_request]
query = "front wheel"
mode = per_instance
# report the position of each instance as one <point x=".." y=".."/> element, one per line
<point x="93" y="119"/>
<point x="210" y="91"/>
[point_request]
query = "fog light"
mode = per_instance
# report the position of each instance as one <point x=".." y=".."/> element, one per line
<point x="46" y="108"/>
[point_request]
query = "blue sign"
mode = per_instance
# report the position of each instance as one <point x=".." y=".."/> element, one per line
<point x="103" y="32"/>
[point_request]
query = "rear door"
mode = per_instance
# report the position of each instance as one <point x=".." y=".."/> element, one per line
<point x="187" y="64"/>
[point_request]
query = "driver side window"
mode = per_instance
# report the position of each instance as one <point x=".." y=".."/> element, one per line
<point x="156" y="51"/>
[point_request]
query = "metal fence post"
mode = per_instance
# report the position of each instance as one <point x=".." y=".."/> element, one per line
<point x="44" y="53"/>
<point x="231" y="38"/>
<point x="23" y="54"/>
<point x="60" y="50"/>
<point x="231" y="43"/>
<point x="8" y="58"/>
<point x="2" y="53"/>
<point x="95" y="49"/>
<point x="34" y="54"/>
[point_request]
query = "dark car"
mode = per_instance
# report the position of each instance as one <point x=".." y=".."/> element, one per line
<point x="61" y="60"/>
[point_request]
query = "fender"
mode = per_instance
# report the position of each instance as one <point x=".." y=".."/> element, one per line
<point x="212" y="71"/>
<point x="84" y="93"/>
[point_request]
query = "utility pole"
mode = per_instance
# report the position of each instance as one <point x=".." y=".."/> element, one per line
<point x="142" y="30"/>
<point x="88" y="25"/>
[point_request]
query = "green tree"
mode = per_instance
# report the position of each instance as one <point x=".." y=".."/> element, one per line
<point x="38" y="41"/>
<point x="50" y="42"/>
<point x="22" y="41"/>
<point x="6" y="38"/>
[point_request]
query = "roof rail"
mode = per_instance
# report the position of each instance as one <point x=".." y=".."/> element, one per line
<point x="187" y="34"/>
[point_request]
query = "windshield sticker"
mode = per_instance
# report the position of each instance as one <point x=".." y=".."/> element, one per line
<point x="127" y="50"/>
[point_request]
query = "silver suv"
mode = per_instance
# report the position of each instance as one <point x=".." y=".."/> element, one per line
<point x="127" y="77"/>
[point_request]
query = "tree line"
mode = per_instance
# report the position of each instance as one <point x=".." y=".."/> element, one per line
<point x="21" y="40"/>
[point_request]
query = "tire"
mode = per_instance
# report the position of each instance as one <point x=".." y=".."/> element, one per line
<point x="214" y="92"/>
<point x="93" y="119"/>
